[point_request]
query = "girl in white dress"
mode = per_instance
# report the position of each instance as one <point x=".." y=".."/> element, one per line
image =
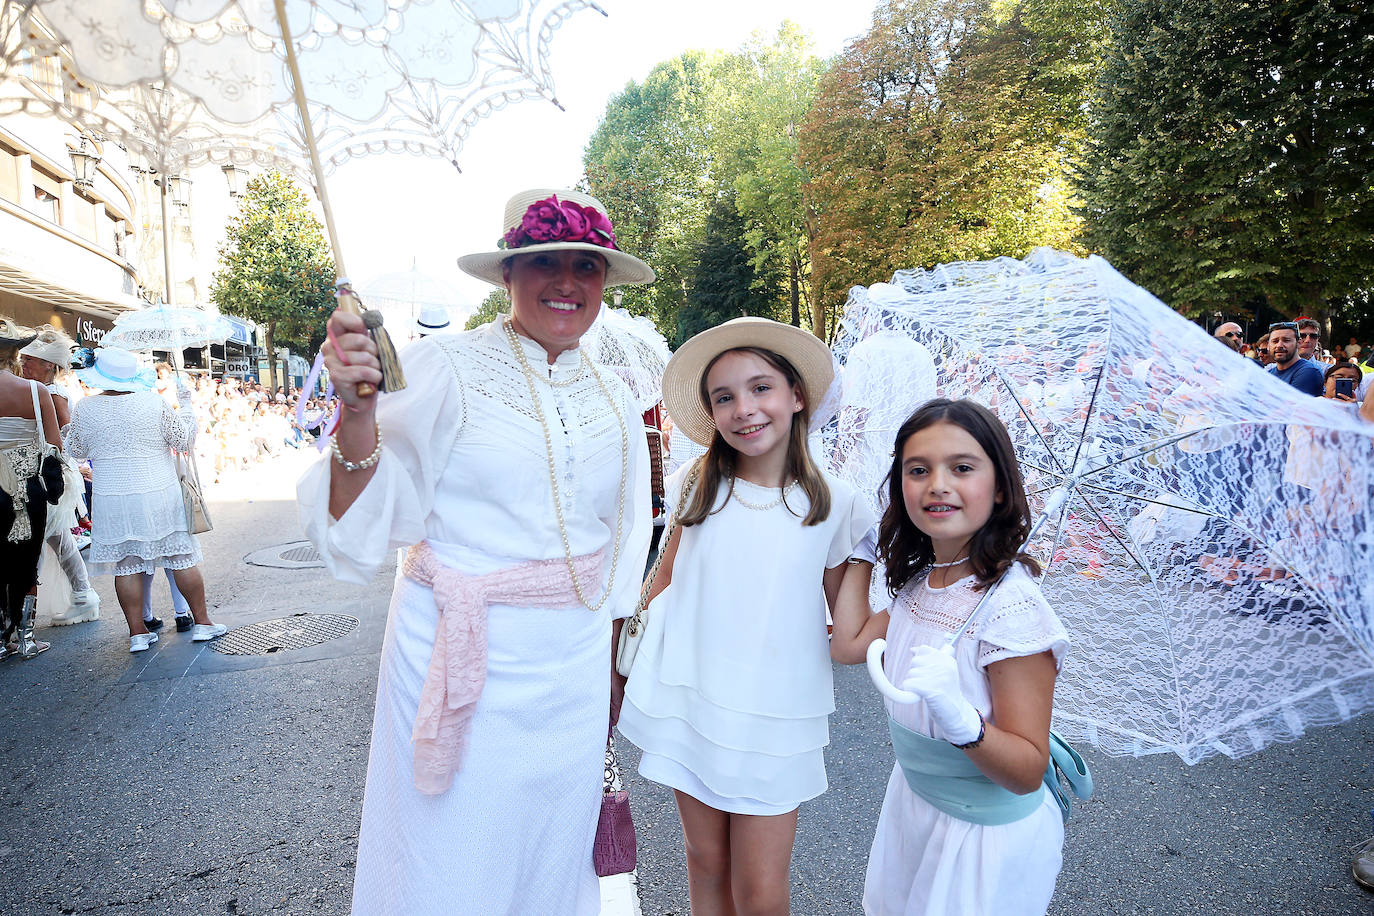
<point x="956" y="518"/>
<point x="731" y="689"/>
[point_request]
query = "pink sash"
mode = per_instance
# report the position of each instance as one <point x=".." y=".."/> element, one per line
<point x="458" y="667"/>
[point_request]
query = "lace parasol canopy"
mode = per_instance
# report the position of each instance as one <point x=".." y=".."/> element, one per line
<point x="1214" y="559"/>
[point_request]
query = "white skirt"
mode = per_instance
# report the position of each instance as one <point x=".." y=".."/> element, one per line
<point x="928" y="863"/>
<point x="513" y="835"/>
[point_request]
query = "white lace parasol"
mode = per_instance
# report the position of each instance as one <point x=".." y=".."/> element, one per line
<point x="164" y="328"/>
<point x="631" y="347"/>
<point x="1214" y="561"/>
<point x="183" y="82"/>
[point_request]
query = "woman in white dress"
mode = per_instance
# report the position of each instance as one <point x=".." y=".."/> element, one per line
<point x="518" y="471"/>
<point x="967" y="825"/>
<point x="128" y="432"/>
<point x="41" y="361"/>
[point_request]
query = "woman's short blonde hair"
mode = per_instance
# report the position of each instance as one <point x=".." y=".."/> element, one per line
<point x="9" y="355"/>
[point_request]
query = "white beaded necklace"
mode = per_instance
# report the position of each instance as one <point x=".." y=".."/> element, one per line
<point x="782" y="494"/>
<point x="949" y="564"/>
<point x="553" y="467"/>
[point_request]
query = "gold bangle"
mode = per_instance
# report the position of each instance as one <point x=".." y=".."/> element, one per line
<point x="363" y="465"/>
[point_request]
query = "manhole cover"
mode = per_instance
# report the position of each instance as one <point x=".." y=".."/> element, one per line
<point x="292" y="555"/>
<point x="268" y="637"/>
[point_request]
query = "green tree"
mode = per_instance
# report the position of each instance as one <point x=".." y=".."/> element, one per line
<point x="497" y="303"/>
<point x="726" y="280"/>
<point x="944" y="134"/>
<point x="275" y="267"/>
<point x="1231" y="161"/>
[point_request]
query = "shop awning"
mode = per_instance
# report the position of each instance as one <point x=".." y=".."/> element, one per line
<point x="21" y="282"/>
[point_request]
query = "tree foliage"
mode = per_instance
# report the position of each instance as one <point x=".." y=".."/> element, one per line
<point x="702" y="128"/>
<point x="497" y="303"/>
<point x="1232" y="160"/>
<point x="727" y="281"/>
<point x="275" y="267"/>
<point x="943" y="134"/>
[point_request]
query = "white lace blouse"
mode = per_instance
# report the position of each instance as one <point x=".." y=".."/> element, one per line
<point x="464" y="466"/>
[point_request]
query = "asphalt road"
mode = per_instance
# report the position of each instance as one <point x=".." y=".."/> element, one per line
<point x="190" y="782"/>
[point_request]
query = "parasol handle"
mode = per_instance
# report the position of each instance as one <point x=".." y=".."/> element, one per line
<point x="879" y="676"/>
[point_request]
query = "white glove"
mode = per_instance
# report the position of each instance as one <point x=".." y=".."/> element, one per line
<point x="934" y="677"/>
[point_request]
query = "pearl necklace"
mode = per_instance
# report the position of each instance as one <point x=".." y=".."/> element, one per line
<point x="782" y="494"/>
<point x="553" y="467"/>
<point x="949" y="564"/>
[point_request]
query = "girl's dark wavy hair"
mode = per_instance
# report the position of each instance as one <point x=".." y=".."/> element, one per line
<point x="907" y="552"/>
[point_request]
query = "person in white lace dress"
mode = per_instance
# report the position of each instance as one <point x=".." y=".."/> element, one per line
<point x="509" y="455"/>
<point x="967" y="825"/>
<point x="128" y="432"/>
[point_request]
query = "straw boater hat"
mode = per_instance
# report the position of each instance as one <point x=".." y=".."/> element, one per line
<point x="682" y="378"/>
<point x="549" y="219"/>
<point x="116" y="370"/>
<point x="52" y="346"/>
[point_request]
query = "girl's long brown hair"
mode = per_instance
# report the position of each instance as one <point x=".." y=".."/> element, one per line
<point x="719" y="461"/>
<point x="906" y="551"/>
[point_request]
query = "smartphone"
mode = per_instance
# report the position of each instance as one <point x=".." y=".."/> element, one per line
<point x="1345" y="386"/>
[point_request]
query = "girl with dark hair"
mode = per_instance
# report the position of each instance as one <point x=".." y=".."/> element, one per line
<point x="731" y="691"/>
<point x="966" y="825"/>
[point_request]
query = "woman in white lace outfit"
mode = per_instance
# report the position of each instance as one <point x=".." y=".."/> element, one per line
<point x="28" y="431"/>
<point x="519" y="471"/>
<point x="128" y="432"/>
<point x="41" y="362"/>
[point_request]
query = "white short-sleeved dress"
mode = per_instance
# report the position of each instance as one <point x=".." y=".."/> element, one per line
<point x="731" y="692"/>
<point x="928" y="863"/>
<point x="464" y="467"/>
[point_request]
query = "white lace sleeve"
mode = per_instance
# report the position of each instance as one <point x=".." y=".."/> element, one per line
<point x="178" y="427"/>
<point x="1019" y="622"/>
<point x="419" y="425"/>
<point x="73" y="440"/>
<point x="854" y="519"/>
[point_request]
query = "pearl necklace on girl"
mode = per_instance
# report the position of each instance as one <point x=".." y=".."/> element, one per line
<point x="782" y="494"/>
<point x="949" y="564"/>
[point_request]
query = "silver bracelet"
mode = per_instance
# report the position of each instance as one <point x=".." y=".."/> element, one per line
<point x="363" y="465"/>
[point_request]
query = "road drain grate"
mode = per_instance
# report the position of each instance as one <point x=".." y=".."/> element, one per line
<point x="268" y="637"/>
<point x="292" y="555"/>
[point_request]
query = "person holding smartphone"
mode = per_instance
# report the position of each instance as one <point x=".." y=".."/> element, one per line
<point x="1340" y="384"/>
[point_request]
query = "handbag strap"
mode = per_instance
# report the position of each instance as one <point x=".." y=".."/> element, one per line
<point x="637" y="621"/>
<point x="38" y="414"/>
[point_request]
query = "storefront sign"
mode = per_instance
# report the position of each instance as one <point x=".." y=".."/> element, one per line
<point x="238" y="365"/>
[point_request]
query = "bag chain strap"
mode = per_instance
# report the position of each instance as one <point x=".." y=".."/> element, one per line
<point x="637" y="621"/>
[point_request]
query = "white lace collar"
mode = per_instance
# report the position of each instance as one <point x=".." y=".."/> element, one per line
<point x="564" y="367"/>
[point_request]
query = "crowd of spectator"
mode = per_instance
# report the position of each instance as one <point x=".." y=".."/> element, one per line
<point x="1293" y="351"/>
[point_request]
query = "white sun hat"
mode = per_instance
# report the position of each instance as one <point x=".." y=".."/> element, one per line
<point x="432" y="320"/>
<point x="551" y="219"/>
<point x="682" y="378"/>
<point x="116" y="370"/>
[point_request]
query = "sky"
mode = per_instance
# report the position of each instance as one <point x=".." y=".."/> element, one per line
<point x="394" y="211"/>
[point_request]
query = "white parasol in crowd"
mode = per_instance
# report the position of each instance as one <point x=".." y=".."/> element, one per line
<point x="1208" y="531"/>
<point x="165" y="328"/>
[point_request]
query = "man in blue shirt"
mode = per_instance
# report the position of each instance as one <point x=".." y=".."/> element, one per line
<point x="1302" y="374"/>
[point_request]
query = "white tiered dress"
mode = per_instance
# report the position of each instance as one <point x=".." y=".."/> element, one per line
<point x="464" y="467"/>
<point x="137" y="513"/>
<point x="731" y="692"/>
<point x="928" y="863"/>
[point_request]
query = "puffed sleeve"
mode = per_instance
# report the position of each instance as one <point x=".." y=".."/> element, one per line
<point x="419" y="425"/>
<point x="1018" y="621"/>
<point x="852" y="518"/>
<point x="639" y="516"/>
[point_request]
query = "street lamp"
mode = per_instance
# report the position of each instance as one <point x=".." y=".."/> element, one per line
<point x="617" y="295"/>
<point x="83" y="166"/>
<point x="236" y="177"/>
<point x="180" y="189"/>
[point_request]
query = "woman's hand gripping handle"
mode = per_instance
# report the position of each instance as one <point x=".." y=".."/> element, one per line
<point x="350" y="355"/>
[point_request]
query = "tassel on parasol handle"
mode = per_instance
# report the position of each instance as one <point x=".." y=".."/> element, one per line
<point x="393" y="378"/>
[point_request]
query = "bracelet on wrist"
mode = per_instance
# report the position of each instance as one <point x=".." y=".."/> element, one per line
<point x="363" y="465"/>
<point x="982" y="731"/>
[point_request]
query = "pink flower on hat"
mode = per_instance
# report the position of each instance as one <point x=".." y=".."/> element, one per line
<point x="552" y="220"/>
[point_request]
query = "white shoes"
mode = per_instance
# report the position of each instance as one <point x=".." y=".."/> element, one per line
<point x="85" y="607"/>
<point x="140" y="642"/>
<point x="203" y="632"/>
